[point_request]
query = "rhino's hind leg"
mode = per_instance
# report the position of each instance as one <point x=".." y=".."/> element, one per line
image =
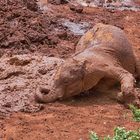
<point x="128" y="94"/>
<point x="137" y="66"/>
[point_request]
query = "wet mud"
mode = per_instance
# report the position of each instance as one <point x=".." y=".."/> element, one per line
<point x="20" y="77"/>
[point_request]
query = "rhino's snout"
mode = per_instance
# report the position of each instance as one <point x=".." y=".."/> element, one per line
<point x="42" y="95"/>
<point x="45" y="95"/>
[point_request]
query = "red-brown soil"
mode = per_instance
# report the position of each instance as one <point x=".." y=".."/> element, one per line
<point x="27" y="32"/>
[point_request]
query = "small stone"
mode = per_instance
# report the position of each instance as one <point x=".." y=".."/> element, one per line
<point x="76" y="8"/>
<point x="42" y="71"/>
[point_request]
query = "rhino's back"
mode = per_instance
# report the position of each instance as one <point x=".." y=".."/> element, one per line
<point x="111" y="40"/>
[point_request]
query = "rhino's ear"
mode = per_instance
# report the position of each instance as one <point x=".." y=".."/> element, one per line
<point x="80" y="62"/>
<point x="77" y="72"/>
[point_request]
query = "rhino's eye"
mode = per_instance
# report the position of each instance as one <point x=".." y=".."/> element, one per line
<point x="65" y="81"/>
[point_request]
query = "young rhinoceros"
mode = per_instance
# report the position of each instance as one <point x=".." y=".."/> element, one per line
<point x="102" y="53"/>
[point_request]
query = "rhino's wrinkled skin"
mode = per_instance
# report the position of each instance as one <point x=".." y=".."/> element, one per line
<point x="104" y="52"/>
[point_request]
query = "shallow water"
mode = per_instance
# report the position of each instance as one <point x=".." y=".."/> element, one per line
<point x="123" y="5"/>
<point x="76" y="28"/>
<point x="119" y="4"/>
<point x="122" y="8"/>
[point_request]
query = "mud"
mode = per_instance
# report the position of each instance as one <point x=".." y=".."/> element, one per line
<point x="20" y="77"/>
<point x="25" y="28"/>
<point x="29" y="38"/>
<point x="112" y="4"/>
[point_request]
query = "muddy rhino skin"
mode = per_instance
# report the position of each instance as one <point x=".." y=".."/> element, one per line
<point x="104" y="52"/>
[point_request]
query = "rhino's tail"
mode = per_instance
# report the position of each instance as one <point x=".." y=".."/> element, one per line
<point x="43" y="95"/>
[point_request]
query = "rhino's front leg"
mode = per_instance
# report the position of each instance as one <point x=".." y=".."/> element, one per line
<point x="128" y="94"/>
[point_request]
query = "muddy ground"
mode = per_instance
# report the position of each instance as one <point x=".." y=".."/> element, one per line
<point x="32" y="45"/>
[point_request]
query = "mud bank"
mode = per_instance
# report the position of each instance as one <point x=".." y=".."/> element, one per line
<point x="25" y="27"/>
<point x="20" y="77"/>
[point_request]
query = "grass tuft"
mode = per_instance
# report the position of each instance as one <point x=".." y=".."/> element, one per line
<point x="136" y="112"/>
<point x="120" y="133"/>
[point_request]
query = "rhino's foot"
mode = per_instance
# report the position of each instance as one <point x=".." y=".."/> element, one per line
<point x="131" y="97"/>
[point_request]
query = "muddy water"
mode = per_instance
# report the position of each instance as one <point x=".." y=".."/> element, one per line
<point x="112" y="4"/>
<point x="133" y="5"/>
<point x="123" y="5"/>
<point x="76" y="28"/>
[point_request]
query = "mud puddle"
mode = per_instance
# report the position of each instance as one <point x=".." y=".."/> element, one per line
<point x="122" y="5"/>
<point x="133" y="5"/>
<point x="76" y="28"/>
<point x="111" y="4"/>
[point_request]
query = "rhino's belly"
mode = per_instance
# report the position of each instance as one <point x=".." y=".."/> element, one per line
<point x="73" y="89"/>
<point x="91" y="80"/>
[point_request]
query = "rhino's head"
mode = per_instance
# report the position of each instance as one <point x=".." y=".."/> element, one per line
<point x="67" y="82"/>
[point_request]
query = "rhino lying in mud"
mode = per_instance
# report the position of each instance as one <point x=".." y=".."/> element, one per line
<point x="102" y="54"/>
